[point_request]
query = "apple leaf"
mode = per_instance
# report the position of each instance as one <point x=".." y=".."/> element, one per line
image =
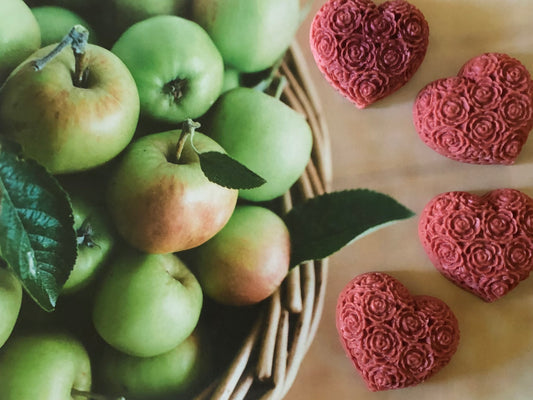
<point x="324" y="224"/>
<point x="37" y="238"/>
<point x="228" y="172"/>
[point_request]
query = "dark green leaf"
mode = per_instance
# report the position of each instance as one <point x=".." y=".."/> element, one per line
<point x="323" y="225"/>
<point x="228" y="172"/>
<point x="37" y="238"/>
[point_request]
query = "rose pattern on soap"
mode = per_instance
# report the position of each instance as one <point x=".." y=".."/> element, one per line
<point x="368" y="51"/>
<point x="481" y="116"/>
<point x="392" y="338"/>
<point x="483" y="244"/>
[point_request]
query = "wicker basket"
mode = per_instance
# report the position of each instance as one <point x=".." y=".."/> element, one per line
<point x="268" y="360"/>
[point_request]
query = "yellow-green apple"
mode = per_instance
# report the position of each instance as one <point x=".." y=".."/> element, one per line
<point x="250" y="34"/>
<point x="10" y="302"/>
<point x="55" y="22"/>
<point x="247" y="260"/>
<point x="263" y="133"/>
<point x="177" y="67"/>
<point x="162" y="203"/>
<point x="19" y="35"/>
<point x="71" y="113"/>
<point x="95" y="241"/>
<point x="173" y="374"/>
<point x="146" y="304"/>
<point x="44" y="366"/>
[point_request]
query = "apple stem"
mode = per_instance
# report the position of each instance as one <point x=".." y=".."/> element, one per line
<point x="188" y="128"/>
<point x="77" y="39"/>
<point x="94" y="396"/>
<point x="81" y="71"/>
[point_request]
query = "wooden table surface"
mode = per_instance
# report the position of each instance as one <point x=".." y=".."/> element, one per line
<point x="378" y="148"/>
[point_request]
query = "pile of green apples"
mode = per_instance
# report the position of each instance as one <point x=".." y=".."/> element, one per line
<point x="119" y="100"/>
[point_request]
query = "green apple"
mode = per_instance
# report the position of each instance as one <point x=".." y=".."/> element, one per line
<point x="127" y="12"/>
<point x="177" y="68"/>
<point x="65" y="124"/>
<point x="10" y="302"/>
<point x="250" y="34"/>
<point x="55" y="22"/>
<point x="263" y="133"/>
<point x="170" y="375"/>
<point x="95" y="239"/>
<point x="95" y="12"/>
<point x="44" y="366"/>
<point x="19" y="35"/>
<point x="74" y="5"/>
<point x="247" y="260"/>
<point x="162" y="204"/>
<point x="146" y="304"/>
<point x="232" y="79"/>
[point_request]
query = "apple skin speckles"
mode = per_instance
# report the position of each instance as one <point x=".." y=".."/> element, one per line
<point x="162" y="206"/>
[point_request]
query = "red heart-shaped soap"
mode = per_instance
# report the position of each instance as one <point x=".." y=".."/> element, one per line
<point x="394" y="339"/>
<point x="482" y="244"/>
<point x="366" y="51"/>
<point x="481" y="116"/>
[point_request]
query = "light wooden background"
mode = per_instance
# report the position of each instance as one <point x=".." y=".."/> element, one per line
<point x="378" y="148"/>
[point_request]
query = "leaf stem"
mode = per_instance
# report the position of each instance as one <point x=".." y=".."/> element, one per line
<point x="77" y="39"/>
<point x="188" y="128"/>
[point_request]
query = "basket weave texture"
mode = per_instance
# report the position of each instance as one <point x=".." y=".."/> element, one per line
<point x="268" y="360"/>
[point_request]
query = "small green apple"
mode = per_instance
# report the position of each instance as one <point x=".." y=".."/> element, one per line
<point x="65" y="124"/>
<point x="44" y="366"/>
<point x="250" y="34"/>
<point x="95" y="12"/>
<point x="19" y="35"/>
<point x="55" y="22"/>
<point x="161" y="204"/>
<point x="10" y="302"/>
<point x="247" y="260"/>
<point x="95" y="238"/>
<point x="146" y="304"/>
<point x="170" y="375"/>
<point x="232" y="79"/>
<point x="263" y="133"/>
<point x="177" y="68"/>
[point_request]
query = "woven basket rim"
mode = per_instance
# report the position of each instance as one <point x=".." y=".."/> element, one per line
<point x="268" y="360"/>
